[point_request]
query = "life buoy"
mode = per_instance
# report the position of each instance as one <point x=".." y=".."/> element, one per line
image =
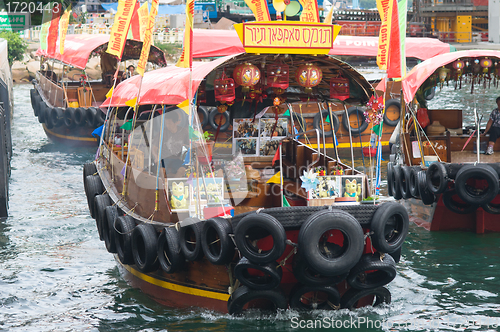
<point x="360" y="117"/>
<point x="397" y="173"/>
<point x="69" y="115"/>
<point x="430" y="93"/>
<point x="93" y="187"/>
<point x="79" y="116"/>
<point x="124" y="226"/>
<point x="316" y="246"/>
<point x="425" y="195"/>
<point x="215" y="124"/>
<point x="404" y="182"/>
<point x="390" y="181"/>
<point x="55" y="116"/>
<point x="89" y="169"/>
<point x="190" y="239"/>
<point x="108" y="230"/>
<point x="474" y="196"/>
<point x="306" y="276"/>
<point x="145" y="248"/>
<point x="414" y="181"/>
<point x="389" y="225"/>
<point x="91" y="116"/>
<point x="169" y="253"/>
<point x="203" y="112"/>
<point x="256" y="226"/>
<point x="244" y="295"/>
<point x="351" y="298"/>
<point x="323" y="115"/>
<point x="391" y="103"/>
<point x="216" y="244"/>
<point x="437" y="178"/>
<point x="268" y="276"/>
<point x="313" y="297"/>
<point x="449" y="200"/>
<point x="372" y="271"/>
<point x="100" y="204"/>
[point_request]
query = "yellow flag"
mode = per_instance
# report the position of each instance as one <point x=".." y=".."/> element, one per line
<point x="186" y="58"/>
<point x="63" y="28"/>
<point x="110" y="92"/>
<point x="148" y="37"/>
<point x="131" y="102"/>
<point x="259" y="9"/>
<point x="120" y="27"/>
<point x="143" y="13"/>
<point x="328" y="18"/>
<point x="310" y="11"/>
<point x="184" y="106"/>
<point x="276" y="178"/>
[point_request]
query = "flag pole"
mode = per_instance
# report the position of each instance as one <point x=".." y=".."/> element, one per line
<point x="281" y="175"/>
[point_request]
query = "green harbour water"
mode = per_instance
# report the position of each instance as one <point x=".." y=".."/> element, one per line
<point x="55" y="274"/>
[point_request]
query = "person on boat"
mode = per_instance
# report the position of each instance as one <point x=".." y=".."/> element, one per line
<point x="493" y="127"/>
<point x="129" y="73"/>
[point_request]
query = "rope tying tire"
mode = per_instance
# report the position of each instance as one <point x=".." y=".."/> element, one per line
<point x="100" y="204"/>
<point x="350" y="298"/>
<point x="404" y="182"/>
<point x="55" y="117"/>
<point x="269" y="277"/>
<point x="413" y="183"/>
<point x="425" y="195"/>
<point x="69" y="116"/>
<point x="190" y="239"/>
<point x="144" y="248"/>
<point x="301" y="299"/>
<point x="108" y="229"/>
<point x="476" y="195"/>
<point x="244" y="295"/>
<point x="169" y="252"/>
<point x="437" y="178"/>
<point x="389" y="225"/>
<point x="455" y="206"/>
<point x="397" y="173"/>
<point x="124" y="225"/>
<point x="216" y="243"/>
<point x="372" y="271"/>
<point x="93" y="187"/>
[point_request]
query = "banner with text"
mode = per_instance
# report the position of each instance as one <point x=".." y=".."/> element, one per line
<point x="259" y="9"/>
<point x="186" y="58"/>
<point x="143" y="13"/>
<point x="310" y="12"/>
<point x="148" y="37"/>
<point x="120" y="27"/>
<point x="54" y="28"/>
<point x="63" y="28"/>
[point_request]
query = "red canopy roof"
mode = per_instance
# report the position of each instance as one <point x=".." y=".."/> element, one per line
<point x="417" y="76"/>
<point x="215" y="43"/>
<point x="77" y="49"/>
<point x="163" y="86"/>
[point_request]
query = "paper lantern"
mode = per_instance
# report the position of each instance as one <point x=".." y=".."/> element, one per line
<point x="458" y="65"/>
<point x="246" y="75"/>
<point x="443" y="74"/>
<point x="277" y="75"/>
<point x="486" y="64"/>
<point x="339" y="88"/>
<point x="308" y="76"/>
<point x="224" y="89"/>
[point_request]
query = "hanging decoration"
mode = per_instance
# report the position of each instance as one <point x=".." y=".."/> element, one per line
<point x="374" y="113"/>
<point x="224" y="92"/>
<point x="459" y="66"/>
<point x="339" y="88"/>
<point x="308" y="76"/>
<point x="277" y="75"/>
<point x="246" y="75"/>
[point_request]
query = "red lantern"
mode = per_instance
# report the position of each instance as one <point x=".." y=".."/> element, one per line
<point x="308" y="76"/>
<point x="277" y="75"/>
<point x="246" y="75"/>
<point x="224" y="89"/>
<point x="486" y="63"/>
<point x="458" y="65"/>
<point x="339" y="88"/>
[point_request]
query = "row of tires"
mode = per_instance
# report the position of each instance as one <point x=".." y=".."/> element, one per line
<point x="208" y="115"/>
<point x="464" y="187"/>
<point x="317" y="268"/>
<point x="70" y="117"/>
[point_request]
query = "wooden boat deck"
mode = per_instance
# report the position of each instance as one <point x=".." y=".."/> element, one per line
<point x="470" y="157"/>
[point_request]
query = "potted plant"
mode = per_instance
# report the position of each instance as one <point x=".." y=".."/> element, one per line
<point x="204" y="146"/>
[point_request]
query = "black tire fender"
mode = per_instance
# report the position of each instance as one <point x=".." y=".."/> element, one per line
<point x="390" y="174"/>
<point x="397" y="173"/>
<point x="69" y="117"/>
<point x="108" y="230"/>
<point x="457" y="207"/>
<point x="93" y="187"/>
<point x="38" y="101"/>
<point x="437" y="178"/>
<point x="491" y="208"/>
<point x="244" y="295"/>
<point x="300" y="301"/>
<point x="414" y="181"/>
<point x="124" y="226"/>
<point x="392" y="103"/>
<point x="350" y="298"/>
<point x="170" y="255"/>
<point x="89" y="169"/>
<point x="91" y="116"/>
<point x="269" y="277"/>
<point x="56" y="116"/>
<point x="425" y="195"/>
<point x="203" y="112"/>
<point x="404" y="182"/>
<point x="485" y="172"/>
<point x="216" y="243"/>
<point x="254" y="227"/>
<point x="389" y="225"/>
<point x="372" y="271"/>
<point x="79" y="116"/>
<point x="215" y="125"/>
<point x="328" y="258"/>
<point x="306" y="276"/>
<point x="190" y="239"/>
<point x="42" y="110"/>
<point x="317" y="122"/>
<point x="360" y="114"/>
<point x="100" y="117"/>
<point x="100" y="204"/>
<point x="145" y="248"/>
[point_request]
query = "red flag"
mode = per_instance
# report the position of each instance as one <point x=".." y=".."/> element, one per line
<point x="135" y="25"/>
<point x="394" y="61"/>
<point x="276" y="155"/>
<point x="54" y="29"/>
